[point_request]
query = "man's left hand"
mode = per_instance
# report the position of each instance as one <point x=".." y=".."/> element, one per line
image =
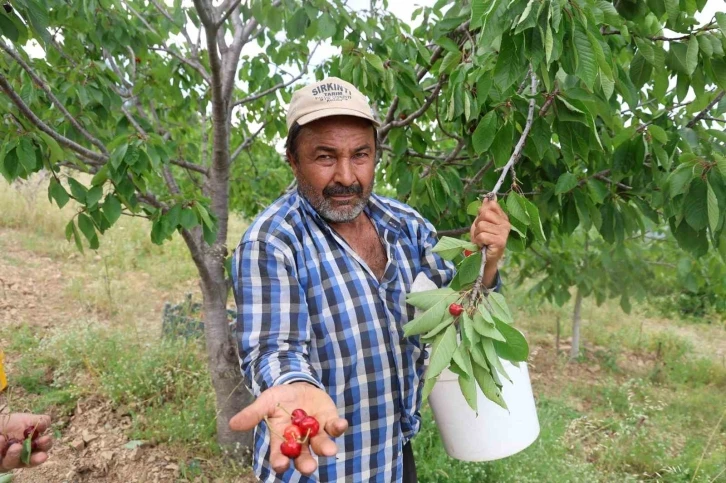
<point x="491" y="229"/>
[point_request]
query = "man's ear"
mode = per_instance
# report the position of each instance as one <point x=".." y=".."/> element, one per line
<point x="291" y="161"/>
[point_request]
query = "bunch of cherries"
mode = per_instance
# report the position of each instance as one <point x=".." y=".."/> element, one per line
<point x="303" y="428"/>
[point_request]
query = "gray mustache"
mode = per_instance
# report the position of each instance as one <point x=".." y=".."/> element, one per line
<point x="339" y="189"/>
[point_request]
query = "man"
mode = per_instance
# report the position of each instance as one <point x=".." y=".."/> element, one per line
<point x="320" y="282"/>
<point x="12" y="427"/>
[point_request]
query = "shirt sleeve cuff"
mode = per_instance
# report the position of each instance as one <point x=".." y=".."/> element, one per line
<point x="291" y="377"/>
<point x="497" y="284"/>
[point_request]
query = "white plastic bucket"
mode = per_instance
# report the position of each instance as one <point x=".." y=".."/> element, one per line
<point x="495" y="433"/>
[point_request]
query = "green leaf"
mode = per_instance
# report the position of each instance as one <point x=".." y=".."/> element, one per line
<point x="428" y="387"/>
<point x="111" y="208"/>
<point x="549" y="43"/>
<point x="502" y="146"/>
<point x="442" y="351"/>
<point x="485" y="132"/>
<point x="448" y="320"/>
<point x="463" y="360"/>
<point x="26" y="154"/>
<point x="713" y="212"/>
<point x="640" y="71"/>
<point x="499" y="307"/>
<point x="77" y="190"/>
<point x="93" y="196"/>
<point x="658" y="133"/>
<point x="467" y="328"/>
<point x="721" y="20"/>
<point x="57" y="193"/>
<point x="449" y="248"/>
<point x="515" y="208"/>
<point x="467" y="384"/>
<point x="118" y="154"/>
<point x="510" y="64"/>
<point x="468" y="270"/>
<point x="56" y="152"/>
<point x="431" y="318"/>
<point x="720" y="164"/>
<point x="692" y="55"/>
<point x="27" y="451"/>
<point x="493" y="358"/>
<point x="485" y="329"/>
<point x="565" y="183"/>
<point x="488" y="386"/>
<point x="585" y="62"/>
<point x="515" y="348"/>
<point x="718" y="67"/>
<point x="535" y="221"/>
<point x="451" y="60"/>
<point x="695" y="205"/>
<point x="478" y="9"/>
<point x="72" y="231"/>
<point x="85" y="224"/>
<point x="375" y="62"/>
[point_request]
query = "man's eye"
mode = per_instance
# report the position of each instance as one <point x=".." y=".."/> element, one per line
<point x="325" y="156"/>
<point x="361" y="155"/>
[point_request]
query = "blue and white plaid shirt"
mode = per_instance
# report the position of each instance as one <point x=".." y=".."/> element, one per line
<point x="309" y="308"/>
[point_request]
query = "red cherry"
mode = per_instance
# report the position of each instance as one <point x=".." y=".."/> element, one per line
<point x="32" y="432"/>
<point x="10" y="442"/>
<point x="138" y="60"/>
<point x="455" y="309"/>
<point x="468" y="253"/>
<point x="310" y="426"/>
<point x="291" y="449"/>
<point x="293" y="433"/>
<point x="297" y="416"/>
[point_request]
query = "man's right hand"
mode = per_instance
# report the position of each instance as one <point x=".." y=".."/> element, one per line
<point x="314" y="401"/>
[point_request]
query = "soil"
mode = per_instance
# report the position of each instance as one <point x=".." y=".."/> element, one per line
<point x="93" y="445"/>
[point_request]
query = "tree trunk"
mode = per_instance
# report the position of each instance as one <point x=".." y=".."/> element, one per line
<point x="575" y="349"/>
<point x="232" y="396"/>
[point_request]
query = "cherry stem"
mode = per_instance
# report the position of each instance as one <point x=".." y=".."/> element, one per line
<point x="307" y="436"/>
<point x="283" y="408"/>
<point x="269" y="426"/>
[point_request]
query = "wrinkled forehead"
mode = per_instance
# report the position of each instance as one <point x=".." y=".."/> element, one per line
<point x="338" y="131"/>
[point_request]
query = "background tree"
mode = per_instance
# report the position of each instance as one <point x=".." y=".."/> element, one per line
<point x="607" y="112"/>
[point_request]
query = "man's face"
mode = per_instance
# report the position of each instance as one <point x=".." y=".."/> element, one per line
<point x="336" y="166"/>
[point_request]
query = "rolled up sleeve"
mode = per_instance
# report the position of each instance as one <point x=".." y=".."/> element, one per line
<point x="273" y="327"/>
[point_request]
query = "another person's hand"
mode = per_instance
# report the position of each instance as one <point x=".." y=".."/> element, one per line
<point x="12" y="427"/>
<point x="301" y="395"/>
<point x="491" y="229"/>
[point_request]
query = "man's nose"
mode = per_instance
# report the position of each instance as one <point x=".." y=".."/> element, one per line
<point x="344" y="171"/>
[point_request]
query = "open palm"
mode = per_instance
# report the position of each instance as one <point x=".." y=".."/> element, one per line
<point x="273" y="404"/>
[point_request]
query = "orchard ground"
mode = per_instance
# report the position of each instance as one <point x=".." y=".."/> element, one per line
<point x="82" y="339"/>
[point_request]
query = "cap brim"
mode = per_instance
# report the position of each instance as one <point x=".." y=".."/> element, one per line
<point x="335" y="111"/>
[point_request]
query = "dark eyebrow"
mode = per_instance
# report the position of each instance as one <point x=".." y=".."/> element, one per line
<point x="362" y="147"/>
<point x="327" y="149"/>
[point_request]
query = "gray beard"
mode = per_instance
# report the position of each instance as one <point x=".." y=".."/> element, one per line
<point x="326" y="209"/>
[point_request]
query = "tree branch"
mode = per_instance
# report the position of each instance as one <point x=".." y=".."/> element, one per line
<point x="190" y="166"/>
<point x="168" y="16"/>
<point x="30" y="115"/>
<point x="247" y="142"/>
<point x="437" y="53"/>
<point x="518" y="149"/>
<point x="53" y="99"/>
<point x="383" y="131"/>
<point x="705" y="110"/>
<point x="191" y="63"/>
<point x="477" y="177"/>
<point x="226" y="15"/>
<point x="281" y="85"/>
